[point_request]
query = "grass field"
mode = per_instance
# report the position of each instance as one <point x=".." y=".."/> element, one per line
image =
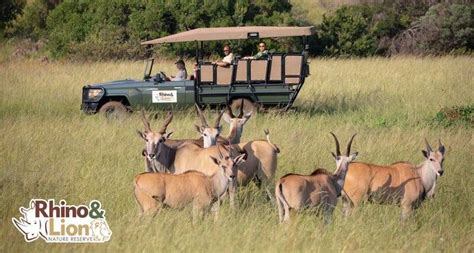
<point x="49" y="149"/>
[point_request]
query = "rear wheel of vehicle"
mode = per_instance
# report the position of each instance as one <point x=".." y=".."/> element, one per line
<point x="114" y="110"/>
<point x="249" y="106"/>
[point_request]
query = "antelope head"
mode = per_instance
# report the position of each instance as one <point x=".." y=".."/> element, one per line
<point x="209" y="134"/>
<point x="342" y="161"/>
<point x="434" y="159"/>
<point x="152" y="139"/>
<point x="229" y="161"/>
<point x="236" y="123"/>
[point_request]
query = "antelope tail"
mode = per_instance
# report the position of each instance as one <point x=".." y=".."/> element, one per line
<point x="267" y="134"/>
<point x="282" y="204"/>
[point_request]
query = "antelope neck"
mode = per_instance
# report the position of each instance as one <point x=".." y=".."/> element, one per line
<point x="234" y="135"/>
<point x="219" y="183"/>
<point x="428" y="176"/>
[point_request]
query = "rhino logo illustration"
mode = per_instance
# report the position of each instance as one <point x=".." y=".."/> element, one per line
<point x="31" y="226"/>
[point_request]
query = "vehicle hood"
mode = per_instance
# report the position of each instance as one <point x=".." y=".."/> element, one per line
<point x="117" y="84"/>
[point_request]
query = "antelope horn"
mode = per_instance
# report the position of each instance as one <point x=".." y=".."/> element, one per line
<point x="428" y="147"/>
<point x="203" y="119"/>
<point x="349" y="145"/>
<point x="218" y="120"/>
<point x="167" y="122"/>
<point x="146" y="123"/>
<point x="241" y="114"/>
<point x="338" y="151"/>
<point x="229" y="111"/>
<point x="220" y="153"/>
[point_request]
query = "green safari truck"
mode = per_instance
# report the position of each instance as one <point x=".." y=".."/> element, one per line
<point x="271" y="82"/>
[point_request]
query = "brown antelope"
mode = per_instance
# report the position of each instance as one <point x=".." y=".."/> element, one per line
<point x="156" y="140"/>
<point x="318" y="190"/>
<point x="190" y="156"/>
<point x="400" y="183"/>
<point x="152" y="190"/>
<point x="152" y="139"/>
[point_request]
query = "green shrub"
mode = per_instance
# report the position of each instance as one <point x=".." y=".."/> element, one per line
<point x="9" y="9"/>
<point x="463" y="115"/>
<point x="358" y="30"/>
<point x="31" y="24"/>
<point x="443" y="29"/>
<point x="114" y="29"/>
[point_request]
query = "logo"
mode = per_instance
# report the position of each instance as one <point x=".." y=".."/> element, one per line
<point x="63" y="223"/>
<point x="164" y="96"/>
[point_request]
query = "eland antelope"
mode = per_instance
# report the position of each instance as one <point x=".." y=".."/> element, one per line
<point x="152" y="190"/>
<point x="157" y="140"/>
<point x="400" y="183"/>
<point x="236" y="123"/>
<point x="318" y="190"/>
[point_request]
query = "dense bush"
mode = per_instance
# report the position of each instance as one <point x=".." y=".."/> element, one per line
<point x="114" y="29"/>
<point x="31" y="24"/>
<point x="360" y="30"/>
<point x="9" y="9"/>
<point x="443" y="29"/>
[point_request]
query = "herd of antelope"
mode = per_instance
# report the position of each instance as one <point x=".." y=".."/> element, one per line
<point x="200" y="172"/>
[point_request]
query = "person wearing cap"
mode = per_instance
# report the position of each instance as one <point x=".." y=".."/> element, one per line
<point x="262" y="52"/>
<point x="181" y="75"/>
<point x="228" y="58"/>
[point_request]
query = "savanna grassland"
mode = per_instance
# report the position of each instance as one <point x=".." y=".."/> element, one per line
<point x="49" y="149"/>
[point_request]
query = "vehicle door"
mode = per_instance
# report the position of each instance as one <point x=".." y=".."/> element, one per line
<point x="163" y="95"/>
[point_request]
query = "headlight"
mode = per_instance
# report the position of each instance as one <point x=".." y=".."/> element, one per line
<point x="95" y="94"/>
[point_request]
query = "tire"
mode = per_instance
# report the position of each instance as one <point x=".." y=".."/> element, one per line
<point x="249" y="106"/>
<point x="114" y="110"/>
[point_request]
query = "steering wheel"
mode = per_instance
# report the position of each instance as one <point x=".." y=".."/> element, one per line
<point x="160" y="76"/>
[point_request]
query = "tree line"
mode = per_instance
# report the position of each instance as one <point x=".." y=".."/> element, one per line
<point x="113" y="29"/>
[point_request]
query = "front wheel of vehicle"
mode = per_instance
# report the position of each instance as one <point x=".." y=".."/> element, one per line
<point x="114" y="110"/>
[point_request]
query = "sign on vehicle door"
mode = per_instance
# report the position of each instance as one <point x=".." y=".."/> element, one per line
<point x="164" y="96"/>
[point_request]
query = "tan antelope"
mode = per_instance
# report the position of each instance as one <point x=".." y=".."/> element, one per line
<point x="236" y="123"/>
<point x="400" y="183"/>
<point x="152" y="190"/>
<point x="156" y="140"/>
<point x="318" y="190"/>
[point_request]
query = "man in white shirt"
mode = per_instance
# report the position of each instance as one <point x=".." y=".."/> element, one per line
<point x="228" y="58"/>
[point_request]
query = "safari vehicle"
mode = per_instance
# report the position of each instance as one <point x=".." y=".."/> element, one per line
<point x="273" y="82"/>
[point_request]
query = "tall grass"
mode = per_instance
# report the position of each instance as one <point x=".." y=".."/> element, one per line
<point x="49" y="149"/>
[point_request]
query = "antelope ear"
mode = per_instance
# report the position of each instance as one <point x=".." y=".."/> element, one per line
<point x="215" y="160"/>
<point x="144" y="153"/>
<point x="240" y="159"/>
<point x="168" y="135"/>
<point x="354" y="156"/>
<point x="141" y="134"/>
<point x="442" y="149"/>
<point x="333" y="155"/>
<point x="247" y="116"/>
<point x="198" y="128"/>
<point x="226" y="117"/>
<point x="425" y="153"/>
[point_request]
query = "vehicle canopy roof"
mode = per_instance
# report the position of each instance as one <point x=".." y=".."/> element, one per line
<point x="234" y="33"/>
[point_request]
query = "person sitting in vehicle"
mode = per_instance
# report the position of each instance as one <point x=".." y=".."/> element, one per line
<point x="182" y="73"/>
<point x="262" y="52"/>
<point x="228" y="58"/>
